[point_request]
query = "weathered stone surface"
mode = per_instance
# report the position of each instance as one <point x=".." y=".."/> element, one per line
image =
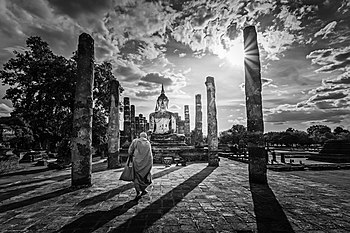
<point x="213" y="142"/>
<point x="132" y="120"/>
<point x="255" y="124"/>
<point x="113" y="126"/>
<point x="195" y="198"/>
<point x="141" y="124"/>
<point x="187" y="128"/>
<point x="127" y="119"/>
<point x="81" y="150"/>
<point x="198" y="133"/>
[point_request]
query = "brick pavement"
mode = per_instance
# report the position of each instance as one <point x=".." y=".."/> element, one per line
<point x="195" y="198"/>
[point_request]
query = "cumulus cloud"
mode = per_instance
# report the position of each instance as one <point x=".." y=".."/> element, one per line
<point x="330" y="59"/>
<point x="328" y="95"/>
<point x="332" y="116"/>
<point x="146" y="93"/>
<point x="328" y="29"/>
<point x="341" y="79"/>
<point x="128" y="72"/>
<point x="76" y="8"/>
<point x="327" y="88"/>
<point x="157" y="78"/>
<point x="267" y="82"/>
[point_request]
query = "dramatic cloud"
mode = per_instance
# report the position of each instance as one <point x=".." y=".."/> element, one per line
<point x="76" y="8"/>
<point x="318" y="116"/>
<point x="128" y="73"/>
<point x="328" y="95"/>
<point x="328" y="29"/>
<point x="157" y="78"/>
<point x="331" y="59"/>
<point x="341" y="79"/>
<point x="146" y="93"/>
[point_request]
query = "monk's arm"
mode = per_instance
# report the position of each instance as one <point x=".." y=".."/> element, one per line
<point x="131" y="148"/>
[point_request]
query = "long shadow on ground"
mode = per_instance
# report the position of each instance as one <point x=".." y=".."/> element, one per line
<point x="90" y="201"/>
<point x="99" y="167"/>
<point x="270" y="216"/>
<point x="107" y="195"/>
<point x="36" y="199"/>
<point x="163" y="205"/>
<point x="16" y="192"/>
<point x="92" y="221"/>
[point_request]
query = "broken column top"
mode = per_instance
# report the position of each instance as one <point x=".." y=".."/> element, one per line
<point x="210" y="80"/>
<point x="86" y="45"/>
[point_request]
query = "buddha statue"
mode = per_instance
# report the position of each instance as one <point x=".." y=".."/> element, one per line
<point x="162" y="121"/>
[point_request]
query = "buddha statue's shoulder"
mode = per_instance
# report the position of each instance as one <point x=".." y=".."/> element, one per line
<point x="162" y="114"/>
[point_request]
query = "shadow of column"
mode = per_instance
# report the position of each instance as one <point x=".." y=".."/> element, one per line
<point x="163" y="205"/>
<point x="270" y="216"/>
<point x="111" y="193"/>
<point x="32" y="200"/>
<point x="92" y="221"/>
<point x="146" y="217"/>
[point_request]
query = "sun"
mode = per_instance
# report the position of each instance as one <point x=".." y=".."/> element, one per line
<point x="234" y="54"/>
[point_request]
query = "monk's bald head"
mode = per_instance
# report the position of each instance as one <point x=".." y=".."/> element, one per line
<point x="143" y="135"/>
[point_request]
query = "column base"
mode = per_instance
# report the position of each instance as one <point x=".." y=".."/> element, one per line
<point x="113" y="161"/>
<point x="257" y="165"/>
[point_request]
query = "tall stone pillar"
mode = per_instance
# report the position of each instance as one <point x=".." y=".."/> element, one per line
<point x="213" y="141"/>
<point x="127" y="119"/>
<point x="141" y="122"/>
<point x="187" y="121"/>
<point x="145" y="124"/>
<point x="255" y="124"/>
<point x="132" y="120"/>
<point x="198" y="124"/>
<point x="81" y="144"/>
<point x="137" y="126"/>
<point x="113" y="126"/>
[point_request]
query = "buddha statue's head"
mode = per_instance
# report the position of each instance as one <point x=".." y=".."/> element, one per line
<point x="162" y="102"/>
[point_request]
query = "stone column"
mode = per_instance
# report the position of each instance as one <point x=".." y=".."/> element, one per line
<point x="113" y="126"/>
<point x="213" y="141"/>
<point x="198" y="124"/>
<point x="127" y="119"/>
<point x="81" y="144"/>
<point x="187" y="121"/>
<point x="146" y="124"/>
<point x="255" y="124"/>
<point x="137" y="126"/>
<point x="132" y="120"/>
<point x="141" y="123"/>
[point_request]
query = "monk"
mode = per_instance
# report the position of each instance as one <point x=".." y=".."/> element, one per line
<point x="142" y="160"/>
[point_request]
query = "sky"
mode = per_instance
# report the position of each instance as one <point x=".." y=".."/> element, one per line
<point x="304" y="50"/>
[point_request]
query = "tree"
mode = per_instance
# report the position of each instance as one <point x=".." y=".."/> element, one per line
<point x="42" y="92"/>
<point x="237" y="134"/>
<point x="319" y="133"/>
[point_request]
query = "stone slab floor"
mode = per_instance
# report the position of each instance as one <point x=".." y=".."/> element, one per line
<point x="195" y="198"/>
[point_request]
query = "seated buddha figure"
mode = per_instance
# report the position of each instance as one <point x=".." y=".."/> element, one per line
<point x="162" y="121"/>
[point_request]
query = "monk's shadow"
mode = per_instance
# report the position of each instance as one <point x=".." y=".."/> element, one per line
<point x="146" y="217"/>
<point x="269" y="214"/>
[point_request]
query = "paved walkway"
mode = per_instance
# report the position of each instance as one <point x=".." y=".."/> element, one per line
<point x="195" y="198"/>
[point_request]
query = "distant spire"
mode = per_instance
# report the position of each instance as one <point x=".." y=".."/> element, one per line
<point x="162" y="89"/>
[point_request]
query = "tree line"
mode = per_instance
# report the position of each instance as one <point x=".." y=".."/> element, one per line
<point x="315" y="134"/>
